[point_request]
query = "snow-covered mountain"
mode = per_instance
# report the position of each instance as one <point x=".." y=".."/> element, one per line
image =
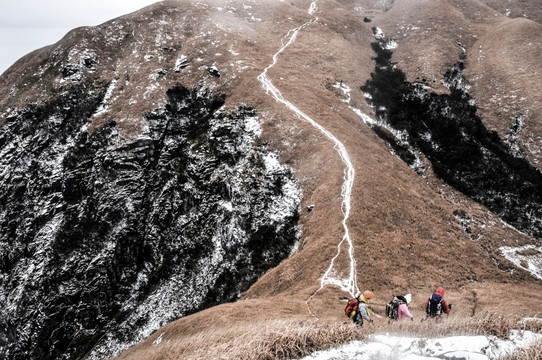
<point x="288" y="153"/>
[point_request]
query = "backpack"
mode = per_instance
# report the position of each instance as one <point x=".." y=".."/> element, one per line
<point x="393" y="306"/>
<point x="434" y="307"/>
<point x="352" y="305"/>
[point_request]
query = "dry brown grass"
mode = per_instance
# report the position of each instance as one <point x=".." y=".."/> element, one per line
<point x="481" y="324"/>
<point x="277" y="339"/>
<point x="295" y="338"/>
<point x="534" y="352"/>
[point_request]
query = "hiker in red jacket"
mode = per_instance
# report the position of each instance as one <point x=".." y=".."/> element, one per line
<point x="436" y="305"/>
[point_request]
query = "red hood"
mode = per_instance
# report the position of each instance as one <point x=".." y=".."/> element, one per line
<point x="440" y="291"/>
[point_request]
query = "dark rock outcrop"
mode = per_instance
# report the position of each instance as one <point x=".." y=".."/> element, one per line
<point x="102" y="241"/>
<point x="446" y="129"/>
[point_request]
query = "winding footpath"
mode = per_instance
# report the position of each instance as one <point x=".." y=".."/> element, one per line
<point x="330" y="277"/>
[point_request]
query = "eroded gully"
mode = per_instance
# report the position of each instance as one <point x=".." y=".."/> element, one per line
<point x="347" y="284"/>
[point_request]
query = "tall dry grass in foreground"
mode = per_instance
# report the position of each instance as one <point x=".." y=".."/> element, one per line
<point x="265" y="340"/>
<point x="481" y="324"/>
<point x="293" y="339"/>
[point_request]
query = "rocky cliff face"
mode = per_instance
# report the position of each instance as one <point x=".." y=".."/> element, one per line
<point x="102" y="243"/>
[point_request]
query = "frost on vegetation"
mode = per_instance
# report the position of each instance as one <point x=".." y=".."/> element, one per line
<point x="512" y="136"/>
<point x="528" y="258"/>
<point x="345" y="90"/>
<point x="418" y="165"/>
<point x="401" y="135"/>
<point x="229" y="165"/>
<point x="289" y="197"/>
<point x="104" y="106"/>
<point x="387" y="346"/>
<point x="252" y="126"/>
<point x="464" y="220"/>
<point x="77" y="62"/>
<point x="180" y="208"/>
<point x="181" y="63"/>
<point x="455" y="79"/>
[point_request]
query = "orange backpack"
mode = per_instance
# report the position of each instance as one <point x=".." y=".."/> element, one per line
<point x="353" y="305"/>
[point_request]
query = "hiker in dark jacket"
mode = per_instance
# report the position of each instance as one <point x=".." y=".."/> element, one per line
<point x="397" y="309"/>
<point x="436" y="305"/>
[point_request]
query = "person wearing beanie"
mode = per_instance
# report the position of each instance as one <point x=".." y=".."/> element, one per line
<point x="397" y="309"/>
<point x="402" y="309"/>
<point x="363" y="312"/>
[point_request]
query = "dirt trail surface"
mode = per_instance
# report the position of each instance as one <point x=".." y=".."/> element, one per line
<point x="349" y="284"/>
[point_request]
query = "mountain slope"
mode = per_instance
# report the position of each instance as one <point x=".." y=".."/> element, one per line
<point x="161" y="193"/>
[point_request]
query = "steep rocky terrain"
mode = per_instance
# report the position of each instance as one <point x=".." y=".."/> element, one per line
<point x="165" y="162"/>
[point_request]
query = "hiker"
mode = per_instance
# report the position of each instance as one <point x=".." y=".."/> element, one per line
<point x="397" y="309"/>
<point x="436" y="305"/>
<point x="403" y="311"/>
<point x="357" y="309"/>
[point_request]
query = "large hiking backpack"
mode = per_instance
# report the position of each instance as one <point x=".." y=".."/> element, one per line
<point x="434" y="307"/>
<point x="353" y="305"/>
<point x="392" y="308"/>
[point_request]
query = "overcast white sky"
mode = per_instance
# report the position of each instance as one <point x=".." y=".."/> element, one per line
<point x="27" y="25"/>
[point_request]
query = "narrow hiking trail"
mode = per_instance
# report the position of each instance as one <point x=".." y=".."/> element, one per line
<point x="330" y="277"/>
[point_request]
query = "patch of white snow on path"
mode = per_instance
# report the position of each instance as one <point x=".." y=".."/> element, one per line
<point x="313" y="7"/>
<point x="388" y="347"/>
<point x="346" y="284"/>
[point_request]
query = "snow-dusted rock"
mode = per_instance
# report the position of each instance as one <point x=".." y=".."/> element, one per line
<point x="102" y="242"/>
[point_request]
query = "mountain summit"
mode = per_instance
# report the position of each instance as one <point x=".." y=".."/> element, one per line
<point x="204" y="171"/>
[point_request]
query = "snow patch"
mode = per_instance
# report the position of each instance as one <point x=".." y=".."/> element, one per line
<point x="379" y="34"/>
<point x="386" y="346"/>
<point x="104" y="106"/>
<point x="390" y="45"/>
<point x="386" y="43"/>
<point x="528" y="258"/>
<point x="233" y="52"/>
<point x="252" y="125"/>
<point x="313" y="7"/>
<point x="345" y="89"/>
<point x="158" y="340"/>
<point x="181" y="63"/>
